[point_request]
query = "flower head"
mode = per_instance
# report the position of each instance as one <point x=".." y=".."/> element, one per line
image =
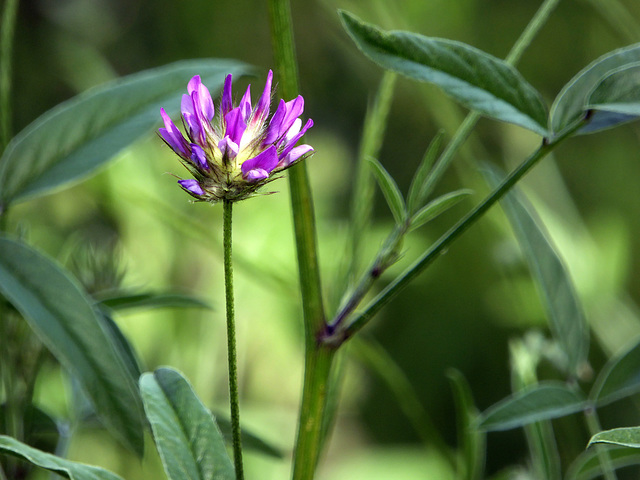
<point x="232" y="154"/>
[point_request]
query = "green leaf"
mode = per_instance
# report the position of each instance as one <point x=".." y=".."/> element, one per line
<point x="421" y="184"/>
<point x="474" y="78"/>
<point x="186" y="435"/>
<point x="437" y="206"/>
<point x="124" y="301"/>
<point x="390" y="191"/>
<point x="618" y="92"/>
<point x="250" y="441"/>
<point x="588" y="464"/>
<point x="540" y="402"/>
<point x="573" y="101"/>
<point x="619" y="378"/>
<point x="39" y="429"/>
<point x="121" y="343"/>
<point x="566" y="318"/>
<point x="63" y="317"/>
<point x="77" y="136"/>
<point x="623" y="437"/>
<point x="61" y="466"/>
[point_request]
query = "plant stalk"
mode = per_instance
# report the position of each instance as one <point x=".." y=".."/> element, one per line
<point x="231" y="340"/>
<point x="318" y="358"/>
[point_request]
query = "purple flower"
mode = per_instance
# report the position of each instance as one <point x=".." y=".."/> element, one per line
<point x="234" y="153"/>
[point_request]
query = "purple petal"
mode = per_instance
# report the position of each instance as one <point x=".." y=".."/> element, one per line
<point x="256" y="175"/>
<point x="199" y="157"/>
<point x="172" y="135"/>
<point x="294" y="155"/>
<point x="228" y="147"/>
<point x="202" y="103"/>
<point x="266" y="161"/>
<point x="192" y="186"/>
<point x="245" y="104"/>
<point x="293" y="140"/>
<point x="273" y="131"/>
<point x="294" y="109"/>
<point x="235" y="125"/>
<point x="262" y="108"/>
<point x="226" y="103"/>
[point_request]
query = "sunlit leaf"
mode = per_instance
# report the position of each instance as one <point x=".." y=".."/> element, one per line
<point x="571" y="104"/>
<point x="390" y="191"/>
<point x="619" y="378"/>
<point x="74" y="138"/>
<point x="623" y="437"/>
<point x="437" y="206"/>
<point x="559" y="298"/>
<point x="124" y="301"/>
<point x="421" y="185"/>
<point x="61" y="466"/>
<point x="540" y="402"/>
<point x="63" y="317"/>
<point x="618" y="92"/>
<point x="474" y="78"/>
<point x="186" y="435"/>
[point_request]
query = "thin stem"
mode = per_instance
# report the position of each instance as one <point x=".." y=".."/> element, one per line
<point x="6" y="47"/>
<point x="593" y="424"/>
<point x="448" y="238"/>
<point x="231" y="340"/>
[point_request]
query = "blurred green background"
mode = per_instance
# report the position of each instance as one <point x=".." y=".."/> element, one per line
<point x="463" y="313"/>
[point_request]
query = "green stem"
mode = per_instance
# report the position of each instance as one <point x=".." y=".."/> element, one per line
<point x="6" y="47"/>
<point x="593" y="424"/>
<point x="231" y="340"/>
<point x="318" y="358"/>
<point x="448" y="238"/>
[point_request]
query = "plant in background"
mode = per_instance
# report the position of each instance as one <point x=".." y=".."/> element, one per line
<point x="230" y="156"/>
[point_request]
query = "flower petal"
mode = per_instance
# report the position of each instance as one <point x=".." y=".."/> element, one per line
<point x="273" y="131"/>
<point x="294" y="155"/>
<point x="226" y="104"/>
<point x="256" y="175"/>
<point x="235" y="125"/>
<point x="245" y="104"/>
<point x="199" y="157"/>
<point x="203" y="103"/>
<point x="172" y="135"/>
<point x="228" y="147"/>
<point x="266" y="161"/>
<point x="261" y="111"/>
<point x="192" y="186"/>
<point x="292" y="141"/>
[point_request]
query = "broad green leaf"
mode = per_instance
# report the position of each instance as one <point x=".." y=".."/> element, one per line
<point x="623" y="437"/>
<point x="122" y="345"/>
<point x="390" y="191"/>
<point x="559" y="298"/>
<point x="588" y="465"/>
<point x="471" y="441"/>
<point x="618" y="92"/>
<point x="186" y="435"/>
<point x="540" y="402"/>
<point x="421" y="185"/>
<point x="61" y="466"/>
<point x="124" y="301"/>
<point x="573" y="101"/>
<point x="77" y="136"/>
<point x="437" y="206"/>
<point x="474" y="78"/>
<point x="62" y="315"/>
<point x="250" y="441"/>
<point x="619" y="378"/>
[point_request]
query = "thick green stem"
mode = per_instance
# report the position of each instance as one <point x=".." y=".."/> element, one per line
<point x="318" y="359"/>
<point x="6" y="46"/>
<point x="231" y="340"/>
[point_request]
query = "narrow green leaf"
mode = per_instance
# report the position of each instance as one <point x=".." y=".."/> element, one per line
<point x="437" y="206"/>
<point x="623" y="437"/>
<point x="77" y="136"/>
<point x="390" y="191"/>
<point x="474" y="78"/>
<point x="61" y="466"/>
<point x="62" y="315"/>
<point x="186" y="435"/>
<point x="571" y="104"/>
<point x="566" y="318"/>
<point x="540" y="402"/>
<point x="471" y="441"/>
<point x="588" y="465"/>
<point x="619" y="378"/>
<point x="421" y="184"/>
<point x="122" y="345"/>
<point x="618" y="92"/>
<point x="125" y="301"/>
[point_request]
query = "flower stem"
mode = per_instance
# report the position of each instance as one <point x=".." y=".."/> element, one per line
<point x="231" y="340"/>
<point x="6" y="41"/>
